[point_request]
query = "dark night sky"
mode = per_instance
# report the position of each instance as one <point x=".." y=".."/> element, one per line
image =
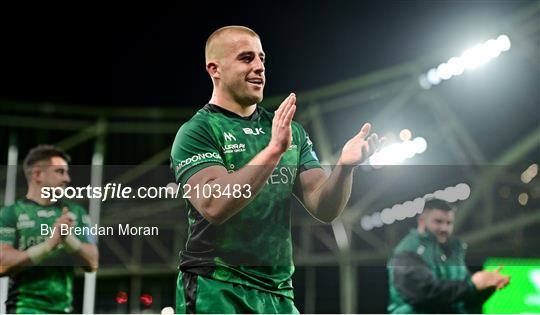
<point x="153" y="56"/>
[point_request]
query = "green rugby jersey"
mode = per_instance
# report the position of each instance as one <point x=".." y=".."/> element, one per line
<point x="254" y="247"/>
<point x="47" y="287"/>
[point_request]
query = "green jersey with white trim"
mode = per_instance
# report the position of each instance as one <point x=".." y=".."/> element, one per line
<point x="47" y="287"/>
<point x="254" y="247"/>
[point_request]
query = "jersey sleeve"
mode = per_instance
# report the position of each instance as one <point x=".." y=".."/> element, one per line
<point x="7" y="226"/>
<point x="308" y="158"/>
<point x="194" y="148"/>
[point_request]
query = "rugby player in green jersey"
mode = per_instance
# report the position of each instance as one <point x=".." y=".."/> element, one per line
<point x="238" y="166"/>
<point x="40" y="265"/>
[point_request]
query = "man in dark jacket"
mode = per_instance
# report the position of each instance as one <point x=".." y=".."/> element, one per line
<point x="427" y="271"/>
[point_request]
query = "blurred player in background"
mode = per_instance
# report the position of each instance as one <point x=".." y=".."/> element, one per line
<point x="427" y="271"/>
<point x="40" y="265"/>
<point x="238" y="256"/>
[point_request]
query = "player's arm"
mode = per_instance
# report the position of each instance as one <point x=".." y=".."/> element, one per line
<point x="416" y="283"/>
<point x="325" y="196"/>
<point x="13" y="260"/>
<point x="418" y="286"/>
<point x="486" y="283"/>
<point x="87" y="254"/>
<point x="251" y="177"/>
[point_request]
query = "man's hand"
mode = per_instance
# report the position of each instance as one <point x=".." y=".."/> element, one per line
<point x="65" y="218"/>
<point x="281" y="125"/>
<point x="359" y="148"/>
<point x="506" y="281"/>
<point x="483" y="280"/>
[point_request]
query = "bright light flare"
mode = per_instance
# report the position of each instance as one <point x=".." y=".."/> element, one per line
<point x="470" y="59"/>
<point x="529" y="173"/>
<point x="410" y="209"/>
<point x="396" y="153"/>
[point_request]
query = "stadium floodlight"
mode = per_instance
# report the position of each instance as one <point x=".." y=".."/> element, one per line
<point x="405" y="135"/>
<point x="410" y="209"/>
<point x="529" y="173"/>
<point x="398" y="152"/>
<point x="456" y="66"/>
<point x="503" y="42"/>
<point x="523" y="198"/>
<point x="470" y="59"/>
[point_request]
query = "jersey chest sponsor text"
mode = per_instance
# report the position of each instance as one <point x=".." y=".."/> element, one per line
<point x="282" y="175"/>
<point x="197" y="158"/>
<point x="234" y="148"/>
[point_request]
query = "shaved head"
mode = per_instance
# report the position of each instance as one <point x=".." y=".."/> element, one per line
<point x="216" y="44"/>
<point x="235" y="62"/>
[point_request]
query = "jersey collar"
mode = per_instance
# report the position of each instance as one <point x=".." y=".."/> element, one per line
<point x="213" y="108"/>
<point x="54" y="204"/>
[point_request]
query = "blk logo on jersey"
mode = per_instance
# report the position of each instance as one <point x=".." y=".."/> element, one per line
<point x="256" y="132"/>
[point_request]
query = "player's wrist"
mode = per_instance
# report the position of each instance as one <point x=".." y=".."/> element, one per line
<point x="72" y="244"/>
<point x="274" y="152"/>
<point x="345" y="165"/>
<point x="471" y="284"/>
<point x="53" y="241"/>
<point x="38" y="252"/>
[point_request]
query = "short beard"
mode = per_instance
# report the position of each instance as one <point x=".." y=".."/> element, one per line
<point x="244" y="100"/>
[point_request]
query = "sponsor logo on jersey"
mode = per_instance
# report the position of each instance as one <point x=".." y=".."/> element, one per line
<point x="7" y="230"/>
<point x="234" y="148"/>
<point x="198" y="157"/>
<point x="26" y="224"/>
<point x="310" y="144"/>
<point x="309" y="141"/>
<point x="282" y="176"/>
<point x="256" y="132"/>
<point x="45" y="213"/>
<point x="24" y="221"/>
<point x="229" y="136"/>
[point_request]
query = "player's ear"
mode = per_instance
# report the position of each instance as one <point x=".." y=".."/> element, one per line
<point x="37" y="174"/>
<point x="422" y="220"/>
<point x="212" y="68"/>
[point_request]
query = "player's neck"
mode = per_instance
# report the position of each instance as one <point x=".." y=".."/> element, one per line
<point x="34" y="194"/>
<point x="233" y="106"/>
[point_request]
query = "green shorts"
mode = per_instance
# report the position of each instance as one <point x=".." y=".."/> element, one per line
<point x="198" y="294"/>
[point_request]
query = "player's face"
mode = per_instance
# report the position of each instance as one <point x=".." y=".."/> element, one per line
<point x="242" y="69"/>
<point x="54" y="173"/>
<point x="440" y="223"/>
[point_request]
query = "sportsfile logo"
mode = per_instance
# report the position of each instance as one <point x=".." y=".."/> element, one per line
<point x="198" y="157"/>
<point x="256" y="132"/>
